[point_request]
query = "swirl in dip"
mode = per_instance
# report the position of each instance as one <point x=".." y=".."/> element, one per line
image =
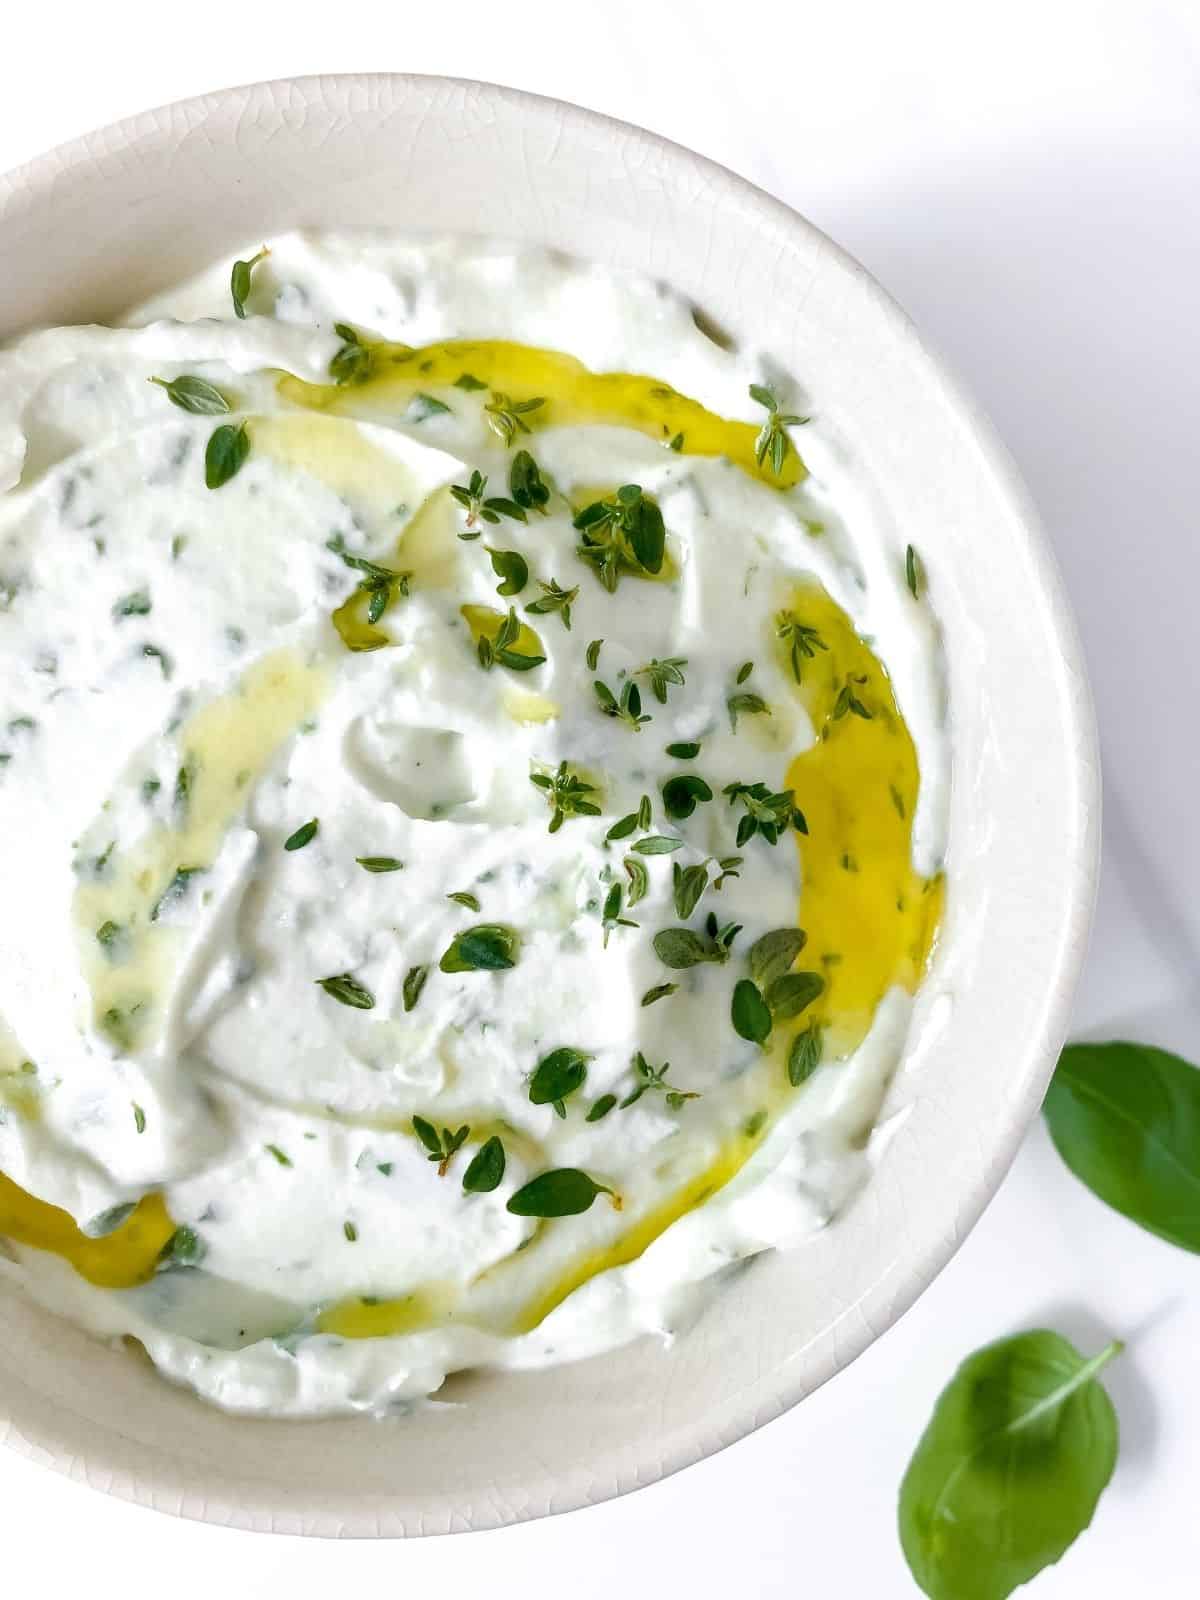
<point x="472" y="778"/>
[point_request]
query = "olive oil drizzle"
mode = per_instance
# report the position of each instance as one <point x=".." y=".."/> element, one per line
<point x="573" y="397"/>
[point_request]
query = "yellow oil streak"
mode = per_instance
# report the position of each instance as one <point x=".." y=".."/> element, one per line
<point x="574" y="396"/>
<point x="117" y="1261"/>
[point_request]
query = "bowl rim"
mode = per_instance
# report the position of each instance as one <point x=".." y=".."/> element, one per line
<point x="51" y="1442"/>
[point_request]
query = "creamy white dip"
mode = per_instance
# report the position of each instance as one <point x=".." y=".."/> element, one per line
<point x="176" y="705"/>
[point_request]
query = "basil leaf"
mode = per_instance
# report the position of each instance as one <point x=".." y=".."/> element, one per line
<point x="379" y="863"/>
<point x="486" y="1169"/>
<point x="772" y="955"/>
<point x="414" y="982"/>
<point x="303" y="835"/>
<point x="562" y="1192"/>
<point x="488" y="947"/>
<point x="657" y="845"/>
<point x="750" y="1013"/>
<point x="195" y="395"/>
<point x="804" y="1054"/>
<point x="346" y="988"/>
<point x="681" y="794"/>
<point x="1126" y="1119"/>
<point x="510" y="566"/>
<point x="680" y="948"/>
<point x="1008" y="1473"/>
<point x="558" y="1075"/>
<point x="788" y="996"/>
<point x="225" y="454"/>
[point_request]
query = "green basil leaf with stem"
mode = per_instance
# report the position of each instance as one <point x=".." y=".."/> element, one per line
<point x="414" y="982"/>
<point x="485" y="1171"/>
<point x="196" y="395"/>
<point x="225" y="454"/>
<point x="683" y="793"/>
<point x="488" y="947"/>
<point x="561" y="1192"/>
<point x="772" y="955"/>
<point x="1008" y="1473"/>
<point x="792" y="993"/>
<point x="511" y="567"/>
<point x="1126" y="1119"/>
<point x="346" y="988"/>
<point x="558" y="1075"/>
<point x="804" y="1054"/>
<point x="239" y="280"/>
<point x="305" y="834"/>
<point x="750" y="1013"/>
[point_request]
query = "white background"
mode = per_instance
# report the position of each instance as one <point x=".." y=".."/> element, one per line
<point x="1025" y="178"/>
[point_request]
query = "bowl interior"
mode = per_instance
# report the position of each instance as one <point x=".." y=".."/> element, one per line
<point x="100" y="224"/>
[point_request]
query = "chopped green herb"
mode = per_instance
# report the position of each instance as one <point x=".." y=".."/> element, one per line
<point x="281" y="1156"/>
<point x="353" y="362"/>
<point x="526" y="484"/>
<point x="239" y="282"/>
<point x="151" y="652"/>
<point x="680" y="948"/>
<point x="600" y="1108"/>
<point x="303" y="835"/>
<point x="688" y="884"/>
<point x="469" y="383"/>
<point x="804" y="1054"/>
<point x="185" y="1248"/>
<point x="414" y="982"/>
<point x="488" y="947"/>
<point x="225" y="454"/>
<point x="662" y="674"/>
<point x="746" y="704"/>
<point x="750" y="1013"/>
<point x="622" y="535"/>
<point x="379" y="863"/>
<point x="194" y="395"/>
<point x="593" y="654"/>
<point x="557" y="1076"/>
<point x="350" y="1230"/>
<point x="471" y="496"/>
<point x="561" y="1192"/>
<point x="913" y="572"/>
<point x="729" y="869"/>
<point x="566" y="794"/>
<point x="654" y="1079"/>
<point x="175" y="891"/>
<point x="440" y="1147"/>
<point x="802" y="641"/>
<point x="344" y="987"/>
<point x="423" y="406"/>
<point x="660" y="991"/>
<point x="766" y="813"/>
<point x="139" y="1118"/>
<point x="554" y="598"/>
<point x="676" y="443"/>
<point x="464" y="897"/>
<point x="684" y="751"/>
<point x="848" y="700"/>
<point x="611" y="915"/>
<point x="486" y="1169"/>
<point x="628" y="709"/>
<point x="136" y="604"/>
<point x="506" y="416"/>
<point x="657" y="844"/>
<point x="773" y="442"/>
<point x="108" y="934"/>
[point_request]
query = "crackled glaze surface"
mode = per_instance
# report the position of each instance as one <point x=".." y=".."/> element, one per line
<point x="336" y="152"/>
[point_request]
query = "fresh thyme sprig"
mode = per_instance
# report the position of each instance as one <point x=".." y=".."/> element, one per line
<point x="765" y="813"/>
<point x="554" y="598"/>
<point x="680" y="948"/>
<point x="566" y="794"/>
<point x="654" y="1079"/>
<point x="628" y="709"/>
<point x="773" y="440"/>
<point x="662" y="674"/>
<point x="441" y="1146"/>
<point x="611" y="914"/>
<point x="380" y="584"/>
<point x="506" y="416"/>
<point x="481" y="508"/>
<point x="499" y="651"/>
<point x="352" y="362"/>
<point x="848" y="700"/>
<point x="624" y="534"/>
<point x="526" y="484"/>
<point x="802" y="641"/>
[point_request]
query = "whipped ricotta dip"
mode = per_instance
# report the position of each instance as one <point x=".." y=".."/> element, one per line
<point x="473" y="778"/>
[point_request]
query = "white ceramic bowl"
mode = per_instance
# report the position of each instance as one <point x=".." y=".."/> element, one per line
<point x="97" y="225"/>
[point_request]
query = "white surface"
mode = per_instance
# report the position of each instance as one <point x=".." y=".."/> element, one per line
<point x="1027" y="187"/>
